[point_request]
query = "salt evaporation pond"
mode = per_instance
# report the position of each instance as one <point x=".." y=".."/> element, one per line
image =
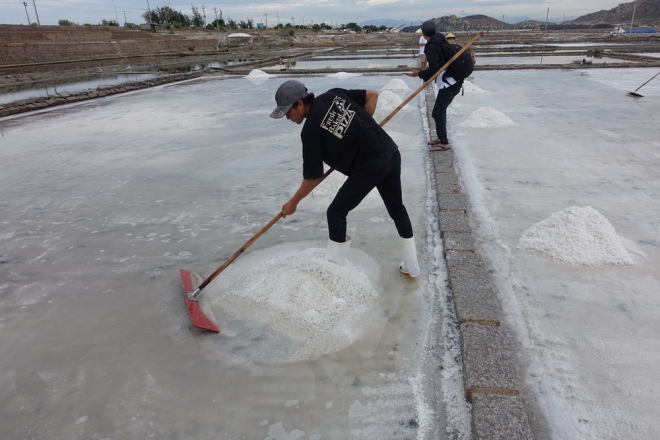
<point x="587" y="332"/>
<point x="98" y="219"/>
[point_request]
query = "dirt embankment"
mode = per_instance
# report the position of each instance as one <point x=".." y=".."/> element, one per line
<point x="25" y="45"/>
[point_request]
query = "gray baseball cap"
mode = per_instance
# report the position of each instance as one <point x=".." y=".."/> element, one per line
<point x="287" y="95"/>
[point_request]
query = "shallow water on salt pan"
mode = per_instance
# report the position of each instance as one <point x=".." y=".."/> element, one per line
<point x="103" y="202"/>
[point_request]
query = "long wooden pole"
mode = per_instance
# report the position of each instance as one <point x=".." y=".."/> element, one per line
<point x="263" y="230"/>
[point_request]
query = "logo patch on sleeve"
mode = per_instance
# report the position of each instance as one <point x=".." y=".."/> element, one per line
<point x="338" y="118"/>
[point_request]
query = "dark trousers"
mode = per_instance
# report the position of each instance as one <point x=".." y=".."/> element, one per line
<point x="388" y="182"/>
<point x="439" y="114"/>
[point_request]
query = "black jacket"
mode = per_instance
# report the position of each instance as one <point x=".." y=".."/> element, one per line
<point x="435" y="56"/>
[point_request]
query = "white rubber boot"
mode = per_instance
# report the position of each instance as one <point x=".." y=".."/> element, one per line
<point x="336" y="252"/>
<point x="409" y="265"/>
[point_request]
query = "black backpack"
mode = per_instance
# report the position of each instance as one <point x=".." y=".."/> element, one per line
<point x="462" y="67"/>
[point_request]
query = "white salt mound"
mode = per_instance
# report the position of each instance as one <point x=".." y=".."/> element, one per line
<point x="297" y="304"/>
<point x="397" y="85"/>
<point x="239" y="35"/>
<point x="256" y="73"/>
<point x="471" y="89"/>
<point x="387" y="102"/>
<point x="327" y="190"/>
<point x="579" y="236"/>
<point x="487" y="117"/>
<point x="257" y="76"/>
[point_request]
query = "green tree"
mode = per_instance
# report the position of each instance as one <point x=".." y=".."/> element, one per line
<point x="196" y="18"/>
<point x="232" y="24"/>
<point x="66" y="23"/>
<point x="105" y="22"/>
<point x="219" y="23"/>
<point x="316" y="28"/>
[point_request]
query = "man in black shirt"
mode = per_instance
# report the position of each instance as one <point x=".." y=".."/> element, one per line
<point x="340" y="131"/>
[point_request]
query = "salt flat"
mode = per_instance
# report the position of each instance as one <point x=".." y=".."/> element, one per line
<point x="587" y="334"/>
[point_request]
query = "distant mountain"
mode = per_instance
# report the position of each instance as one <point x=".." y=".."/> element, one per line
<point x="387" y="23"/>
<point x="647" y="12"/>
<point x="519" y="18"/>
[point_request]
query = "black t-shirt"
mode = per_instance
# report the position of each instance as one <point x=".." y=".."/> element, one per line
<point x="339" y="132"/>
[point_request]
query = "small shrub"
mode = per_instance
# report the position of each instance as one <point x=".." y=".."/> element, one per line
<point x="191" y="48"/>
<point x="66" y="23"/>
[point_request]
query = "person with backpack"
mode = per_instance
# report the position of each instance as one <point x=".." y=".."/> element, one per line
<point x="438" y="52"/>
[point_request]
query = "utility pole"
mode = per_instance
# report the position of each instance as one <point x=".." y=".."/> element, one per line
<point x="292" y="22"/>
<point x="114" y="6"/>
<point x="36" y="12"/>
<point x="546" y="21"/>
<point x="278" y="18"/>
<point x="216" y="18"/>
<point x="502" y="21"/>
<point x="203" y="16"/>
<point x="26" y="13"/>
<point x="148" y="13"/>
<point x="633" y="16"/>
<point x="125" y="21"/>
<point x="266" y="21"/>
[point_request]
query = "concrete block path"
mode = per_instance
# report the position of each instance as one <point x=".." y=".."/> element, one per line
<point x="492" y="383"/>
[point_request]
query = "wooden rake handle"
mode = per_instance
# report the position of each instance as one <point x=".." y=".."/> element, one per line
<point x="647" y="81"/>
<point x="327" y="173"/>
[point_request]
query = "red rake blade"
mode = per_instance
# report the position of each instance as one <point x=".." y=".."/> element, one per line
<point x="199" y="319"/>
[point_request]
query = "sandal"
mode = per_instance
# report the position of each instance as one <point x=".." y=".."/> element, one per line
<point x="433" y="143"/>
<point x="440" y="147"/>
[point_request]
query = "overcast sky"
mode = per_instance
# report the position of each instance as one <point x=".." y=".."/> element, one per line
<point x="340" y="11"/>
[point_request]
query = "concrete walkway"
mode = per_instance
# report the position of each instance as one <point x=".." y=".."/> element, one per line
<point x="492" y="383"/>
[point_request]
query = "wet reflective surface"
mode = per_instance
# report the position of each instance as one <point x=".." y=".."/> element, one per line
<point x="8" y="94"/>
<point x="104" y="201"/>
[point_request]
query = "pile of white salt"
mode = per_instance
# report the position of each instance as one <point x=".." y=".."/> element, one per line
<point x="304" y="305"/>
<point x="579" y="236"/>
<point x="396" y="85"/>
<point x="487" y="117"/>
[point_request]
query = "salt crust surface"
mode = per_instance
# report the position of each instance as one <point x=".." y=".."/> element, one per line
<point x="579" y="236"/>
<point x="299" y="304"/>
<point x="240" y="35"/>
<point x="327" y="190"/>
<point x="397" y="85"/>
<point x="487" y="117"/>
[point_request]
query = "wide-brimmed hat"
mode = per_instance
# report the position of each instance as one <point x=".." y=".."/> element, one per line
<point x="288" y="94"/>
